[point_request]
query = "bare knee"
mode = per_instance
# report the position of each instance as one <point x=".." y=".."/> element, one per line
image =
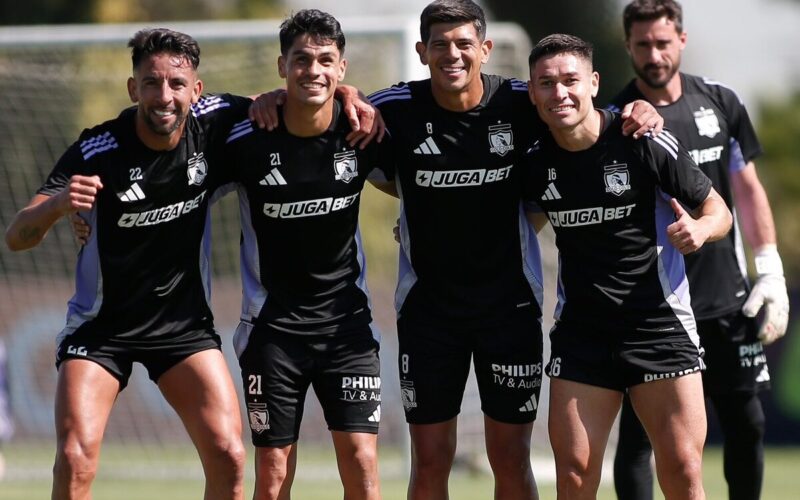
<point x="230" y="455"/>
<point x="575" y="477"/>
<point x="511" y="459"/>
<point x="431" y="461"/>
<point x="76" y="462"/>
<point x="681" y="475"/>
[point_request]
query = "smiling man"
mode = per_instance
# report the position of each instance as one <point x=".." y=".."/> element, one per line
<point x="142" y="287"/>
<point x="306" y="317"/>
<point x="623" y="319"/>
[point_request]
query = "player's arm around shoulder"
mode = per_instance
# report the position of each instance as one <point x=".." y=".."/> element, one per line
<point x="31" y="224"/>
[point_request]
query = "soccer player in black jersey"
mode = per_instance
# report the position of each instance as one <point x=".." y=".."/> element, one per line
<point x="470" y="283"/>
<point x="306" y="315"/>
<point x="142" y="286"/>
<point x="713" y="124"/>
<point x="623" y="321"/>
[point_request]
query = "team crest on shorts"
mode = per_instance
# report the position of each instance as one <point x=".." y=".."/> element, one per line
<point x="707" y="122"/>
<point x="198" y="168"/>
<point x="345" y="166"/>
<point x="616" y="178"/>
<point x="408" y="394"/>
<point x="501" y="139"/>
<point x="258" y="416"/>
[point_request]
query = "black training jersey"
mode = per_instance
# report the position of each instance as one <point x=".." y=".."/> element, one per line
<point x="144" y="274"/>
<point x="610" y="206"/>
<point x="468" y="255"/>
<point x="303" y="267"/>
<point x="712" y="123"/>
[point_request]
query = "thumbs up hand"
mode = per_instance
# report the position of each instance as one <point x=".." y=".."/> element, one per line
<point x="685" y="234"/>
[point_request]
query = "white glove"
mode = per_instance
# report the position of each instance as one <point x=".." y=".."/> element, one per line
<point x="769" y="290"/>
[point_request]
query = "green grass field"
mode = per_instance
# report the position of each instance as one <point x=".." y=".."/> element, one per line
<point x="174" y="474"/>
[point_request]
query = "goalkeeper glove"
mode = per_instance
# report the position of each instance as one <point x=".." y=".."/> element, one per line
<point x="770" y="291"/>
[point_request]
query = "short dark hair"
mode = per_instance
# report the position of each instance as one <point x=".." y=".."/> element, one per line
<point x="321" y="26"/>
<point x="451" y="11"/>
<point x="650" y="10"/>
<point x="162" y="40"/>
<point x="560" y="44"/>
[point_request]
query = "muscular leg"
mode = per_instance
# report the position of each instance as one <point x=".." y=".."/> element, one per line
<point x="201" y="391"/>
<point x="633" y="475"/>
<point x="673" y="413"/>
<point x="742" y="420"/>
<point x="580" y="420"/>
<point x="509" y="449"/>
<point x="84" y="397"/>
<point x="357" y="457"/>
<point x="433" y="447"/>
<point x="275" y="468"/>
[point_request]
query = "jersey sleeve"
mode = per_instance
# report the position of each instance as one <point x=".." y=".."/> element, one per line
<point x="381" y="158"/>
<point x="220" y="117"/>
<point x="71" y="163"/>
<point x="676" y="173"/>
<point x="744" y="142"/>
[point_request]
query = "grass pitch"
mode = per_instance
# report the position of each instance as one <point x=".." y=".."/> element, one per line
<point x="129" y="473"/>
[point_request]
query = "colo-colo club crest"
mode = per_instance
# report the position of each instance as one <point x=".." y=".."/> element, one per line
<point x="258" y="416"/>
<point x="198" y="168"/>
<point x="501" y="139"/>
<point x="345" y="166"/>
<point x="616" y="178"/>
<point x="707" y="122"/>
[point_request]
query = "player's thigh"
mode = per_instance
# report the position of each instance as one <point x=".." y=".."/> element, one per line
<point x="348" y="381"/>
<point x="85" y="394"/>
<point x="507" y="440"/>
<point x="277" y="369"/>
<point x="434" y="364"/>
<point x="580" y="420"/>
<point x="672" y="412"/>
<point x="508" y="367"/>
<point x="201" y="390"/>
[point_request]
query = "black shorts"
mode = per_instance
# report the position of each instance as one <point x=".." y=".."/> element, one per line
<point x="434" y="366"/>
<point x="734" y="356"/>
<point x="117" y="356"/>
<point x="617" y="359"/>
<point x="277" y="369"/>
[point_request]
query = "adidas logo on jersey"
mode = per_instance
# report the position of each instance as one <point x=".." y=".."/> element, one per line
<point x="763" y="375"/>
<point x="551" y="193"/>
<point x="428" y="148"/>
<point x="459" y="178"/>
<point x="376" y="415"/>
<point x="135" y="193"/>
<point x="530" y="405"/>
<point x="273" y="178"/>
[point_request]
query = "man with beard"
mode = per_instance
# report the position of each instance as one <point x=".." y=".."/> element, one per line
<point x="712" y="123"/>
<point x="142" y="284"/>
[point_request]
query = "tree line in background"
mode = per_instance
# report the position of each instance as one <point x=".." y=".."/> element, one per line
<point x="778" y="126"/>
